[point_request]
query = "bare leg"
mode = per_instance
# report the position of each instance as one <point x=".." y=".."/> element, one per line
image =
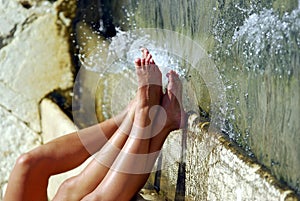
<point x="130" y="171"/>
<point x="96" y="170"/>
<point x="29" y="178"/>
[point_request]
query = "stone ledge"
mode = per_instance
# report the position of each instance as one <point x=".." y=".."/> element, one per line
<point x="216" y="169"/>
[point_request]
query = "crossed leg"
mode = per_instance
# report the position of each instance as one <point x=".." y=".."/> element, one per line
<point x="131" y="168"/>
<point x="94" y="173"/>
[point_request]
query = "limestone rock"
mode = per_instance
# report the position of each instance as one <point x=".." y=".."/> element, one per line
<point x="55" y="122"/>
<point x="36" y="58"/>
<point x="11" y="14"/>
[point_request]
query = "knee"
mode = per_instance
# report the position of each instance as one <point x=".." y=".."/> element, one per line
<point x="26" y="160"/>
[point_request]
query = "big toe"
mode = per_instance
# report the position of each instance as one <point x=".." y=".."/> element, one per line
<point x="137" y="63"/>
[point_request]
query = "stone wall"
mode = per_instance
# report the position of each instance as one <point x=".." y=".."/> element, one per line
<point x="215" y="169"/>
<point x="34" y="60"/>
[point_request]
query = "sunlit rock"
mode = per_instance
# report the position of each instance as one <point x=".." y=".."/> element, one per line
<point x="36" y="60"/>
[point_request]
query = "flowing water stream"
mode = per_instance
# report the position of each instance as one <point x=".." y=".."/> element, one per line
<point x="239" y="62"/>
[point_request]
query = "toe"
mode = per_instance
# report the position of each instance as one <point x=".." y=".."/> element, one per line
<point x="143" y="62"/>
<point x="148" y="58"/>
<point x="152" y="61"/>
<point x="173" y="76"/>
<point x="137" y="63"/>
<point x="145" y="52"/>
<point x="170" y="76"/>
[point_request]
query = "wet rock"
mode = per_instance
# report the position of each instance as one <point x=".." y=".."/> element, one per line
<point x="255" y="48"/>
<point x="216" y="169"/>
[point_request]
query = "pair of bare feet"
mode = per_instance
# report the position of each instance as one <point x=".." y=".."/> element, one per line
<point x="150" y="91"/>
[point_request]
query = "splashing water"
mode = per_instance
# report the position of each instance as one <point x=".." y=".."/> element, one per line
<point x="123" y="49"/>
<point x="264" y="38"/>
<point x="113" y="62"/>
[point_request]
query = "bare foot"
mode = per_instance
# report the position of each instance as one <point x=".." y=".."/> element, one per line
<point x="172" y="102"/>
<point x="149" y="80"/>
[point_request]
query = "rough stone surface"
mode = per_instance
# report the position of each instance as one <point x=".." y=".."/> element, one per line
<point x="16" y="138"/>
<point x="217" y="170"/>
<point x="34" y="58"/>
<point x="54" y="122"/>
